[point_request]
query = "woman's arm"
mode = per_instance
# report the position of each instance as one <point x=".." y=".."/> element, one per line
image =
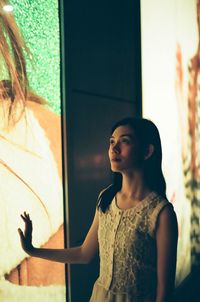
<point x="166" y="238"/>
<point x="81" y="254"/>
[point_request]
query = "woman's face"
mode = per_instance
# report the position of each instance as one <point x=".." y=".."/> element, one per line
<point x="124" y="152"/>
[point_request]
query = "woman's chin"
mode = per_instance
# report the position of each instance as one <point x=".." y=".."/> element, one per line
<point x="115" y="169"/>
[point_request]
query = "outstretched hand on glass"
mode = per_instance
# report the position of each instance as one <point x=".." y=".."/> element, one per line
<point x="26" y="236"/>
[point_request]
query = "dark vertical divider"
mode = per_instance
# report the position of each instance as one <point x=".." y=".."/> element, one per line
<point x="64" y="97"/>
<point x="101" y="72"/>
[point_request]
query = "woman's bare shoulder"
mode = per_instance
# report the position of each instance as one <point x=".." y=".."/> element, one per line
<point x="44" y="115"/>
<point x="51" y="124"/>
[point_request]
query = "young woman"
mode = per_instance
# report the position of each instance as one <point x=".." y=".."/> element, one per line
<point x="134" y="227"/>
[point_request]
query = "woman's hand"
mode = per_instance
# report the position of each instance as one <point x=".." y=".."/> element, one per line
<point x="26" y="237"/>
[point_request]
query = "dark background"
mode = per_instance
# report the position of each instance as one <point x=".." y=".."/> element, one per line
<point x="101" y="84"/>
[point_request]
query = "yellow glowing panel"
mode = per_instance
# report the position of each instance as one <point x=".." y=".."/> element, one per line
<point x="168" y="28"/>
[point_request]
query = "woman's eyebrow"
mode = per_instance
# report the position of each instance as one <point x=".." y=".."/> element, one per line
<point x="126" y="134"/>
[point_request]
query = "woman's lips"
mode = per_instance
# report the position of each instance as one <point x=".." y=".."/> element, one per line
<point x="115" y="159"/>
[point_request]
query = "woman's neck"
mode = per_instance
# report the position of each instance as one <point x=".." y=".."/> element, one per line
<point x="133" y="186"/>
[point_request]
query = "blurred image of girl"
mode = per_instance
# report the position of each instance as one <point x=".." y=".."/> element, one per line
<point x="30" y="174"/>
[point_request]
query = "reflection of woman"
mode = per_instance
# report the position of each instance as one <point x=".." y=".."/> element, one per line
<point x="189" y="119"/>
<point x="135" y="226"/>
<point x="30" y="166"/>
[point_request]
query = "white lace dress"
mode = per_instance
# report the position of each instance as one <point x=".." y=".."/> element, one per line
<point x="127" y="248"/>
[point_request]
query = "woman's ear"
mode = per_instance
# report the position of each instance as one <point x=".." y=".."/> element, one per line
<point x="150" y="150"/>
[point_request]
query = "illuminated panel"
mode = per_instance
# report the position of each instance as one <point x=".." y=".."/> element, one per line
<point x="30" y="155"/>
<point x="39" y="23"/>
<point x="169" y="42"/>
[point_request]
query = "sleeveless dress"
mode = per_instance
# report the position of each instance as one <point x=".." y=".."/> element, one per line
<point x="127" y="248"/>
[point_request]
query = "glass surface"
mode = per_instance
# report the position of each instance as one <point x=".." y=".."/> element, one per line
<point x="30" y="149"/>
<point x="170" y="68"/>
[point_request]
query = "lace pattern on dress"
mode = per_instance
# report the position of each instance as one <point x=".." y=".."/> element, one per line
<point x="128" y="248"/>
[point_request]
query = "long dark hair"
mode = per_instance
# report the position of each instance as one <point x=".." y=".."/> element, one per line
<point x="146" y="133"/>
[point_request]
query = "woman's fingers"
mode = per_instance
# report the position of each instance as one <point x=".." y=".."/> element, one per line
<point x="26" y="217"/>
<point x="21" y="234"/>
<point x="23" y="217"/>
<point x="26" y="236"/>
<point x="20" y="231"/>
<point x="28" y="225"/>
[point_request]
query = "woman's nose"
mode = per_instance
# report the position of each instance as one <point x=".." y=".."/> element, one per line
<point x="116" y="148"/>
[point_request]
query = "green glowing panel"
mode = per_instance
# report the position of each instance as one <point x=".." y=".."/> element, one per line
<point x="39" y="24"/>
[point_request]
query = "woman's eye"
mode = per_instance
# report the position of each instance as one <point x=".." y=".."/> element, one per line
<point x="125" y="140"/>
